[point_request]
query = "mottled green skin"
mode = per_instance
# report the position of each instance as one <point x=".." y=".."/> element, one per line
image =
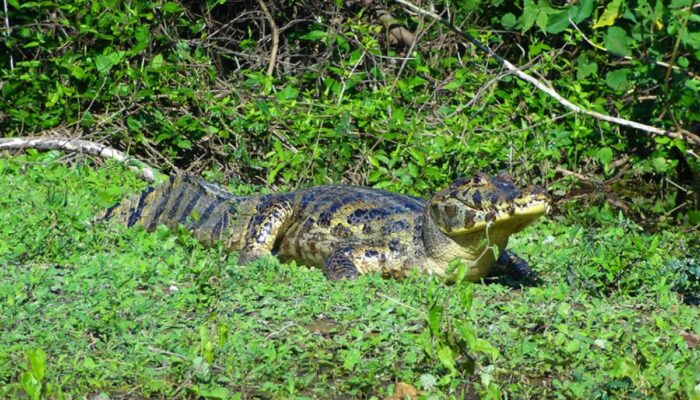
<point x="345" y="230"/>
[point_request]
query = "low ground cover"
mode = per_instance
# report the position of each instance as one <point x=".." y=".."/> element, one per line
<point x="90" y="308"/>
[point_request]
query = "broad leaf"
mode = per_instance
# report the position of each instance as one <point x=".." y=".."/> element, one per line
<point x="604" y="155"/>
<point x="581" y="11"/>
<point x="351" y="359"/>
<point x="508" y="20"/>
<point x="314" y="35"/>
<point x="529" y="16"/>
<point x="434" y="318"/>
<point x="37" y="362"/>
<point x="612" y="11"/>
<point x="617" y="80"/>
<point x="617" y="41"/>
<point x="558" y="21"/>
<point x="585" y="67"/>
<point x="447" y="357"/>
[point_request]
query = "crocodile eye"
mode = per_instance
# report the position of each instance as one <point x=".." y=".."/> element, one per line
<point x="458" y="182"/>
<point x="478" y="180"/>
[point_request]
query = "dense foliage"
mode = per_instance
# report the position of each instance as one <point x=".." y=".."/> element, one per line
<point x="89" y="309"/>
<point x="183" y="85"/>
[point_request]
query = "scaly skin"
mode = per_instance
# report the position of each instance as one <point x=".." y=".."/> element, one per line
<point x="348" y="230"/>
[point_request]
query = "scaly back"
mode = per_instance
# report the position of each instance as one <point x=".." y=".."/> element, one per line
<point x="203" y="208"/>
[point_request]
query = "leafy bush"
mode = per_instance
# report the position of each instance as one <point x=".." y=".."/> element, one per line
<point x="181" y="85"/>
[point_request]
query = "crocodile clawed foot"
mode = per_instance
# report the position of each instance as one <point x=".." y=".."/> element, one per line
<point x="339" y="265"/>
<point x="512" y="270"/>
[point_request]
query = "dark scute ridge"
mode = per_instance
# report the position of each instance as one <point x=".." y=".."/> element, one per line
<point x="136" y="214"/>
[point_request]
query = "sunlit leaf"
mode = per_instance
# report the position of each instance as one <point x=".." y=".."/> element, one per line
<point x="612" y="11"/>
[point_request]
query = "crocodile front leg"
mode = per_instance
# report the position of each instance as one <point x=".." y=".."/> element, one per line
<point x="509" y="263"/>
<point x="340" y="264"/>
<point x="347" y="262"/>
<point x="272" y="217"/>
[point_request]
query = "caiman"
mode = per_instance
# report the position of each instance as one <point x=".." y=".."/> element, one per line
<point x="350" y="230"/>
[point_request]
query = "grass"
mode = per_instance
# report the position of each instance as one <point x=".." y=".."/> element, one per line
<point x="92" y="308"/>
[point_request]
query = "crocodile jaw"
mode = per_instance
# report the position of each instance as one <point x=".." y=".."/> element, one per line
<point x="471" y="249"/>
<point x="471" y="245"/>
<point x="535" y="211"/>
<point x="518" y="218"/>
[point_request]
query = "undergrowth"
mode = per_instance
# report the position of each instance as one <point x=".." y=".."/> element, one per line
<point x="183" y="85"/>
<point x="92" y="308"/>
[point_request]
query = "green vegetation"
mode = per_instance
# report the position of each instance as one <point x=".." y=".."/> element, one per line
<point x="95" y="308"/>
<point x="89" y="308"/>
<point x="184" y="86"/>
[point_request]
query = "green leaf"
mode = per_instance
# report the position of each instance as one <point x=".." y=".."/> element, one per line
<point x="580" y="12"/>
<point x="78" y="72"/>
<point x="201" y="369"/>
<point x="447" y="357"/>
<point x="508" y="20"/>
<point x="218" y="392"/>
<point x="694" y="219"/>
<point x="542" y="20"/>
<point x="460" y="268"/>
<point x="134" y="124"/>
<point x="617" y="41"/>
<point x="171" y="7"/>
<point x="314" y="35"/>
<point x="142" y="36"/>
<point x="427" y="381"/>
<point x="418" y="156"/>
<point x="352" y="358"/>
<point x="434" y="318"/>
<point x="466" y="296"/>
<point x="558" y="21"/>
<point x="585" y="67"/>
<point x="624" y="367"/>
<point x="157" y="61"/>
<point x="612" y="11"/>
<point x="680" y="3"/>
<point x="660" y="164"/>
<point x="412" y="170"/>
<point x="529" y="16"/>
<point x="288" y="93"/>
<point x="103" y="64"/>
<point x="37" y="362"/>
<point x="565" y="308"/>
<point x="605" y="156"/>
<point x="617" y="80"/>
<point x="691" y="39"/>
<point x="31" y="385"/>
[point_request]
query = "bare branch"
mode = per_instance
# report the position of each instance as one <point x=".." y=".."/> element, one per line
<point x="275" y="38"/>
<point x="7" y="30"/>
<point x="676" y="134"/>
<point x="79" y="146"/>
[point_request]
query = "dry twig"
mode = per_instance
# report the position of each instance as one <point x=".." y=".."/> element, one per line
<point x="79" y="146"/>
<point x="275" y="38"/>
<point x="7" y="31"/>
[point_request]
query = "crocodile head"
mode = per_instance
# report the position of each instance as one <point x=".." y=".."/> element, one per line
<point x="469" y="205"/>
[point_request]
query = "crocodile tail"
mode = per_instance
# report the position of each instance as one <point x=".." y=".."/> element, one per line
<point x="203" y="208"/>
